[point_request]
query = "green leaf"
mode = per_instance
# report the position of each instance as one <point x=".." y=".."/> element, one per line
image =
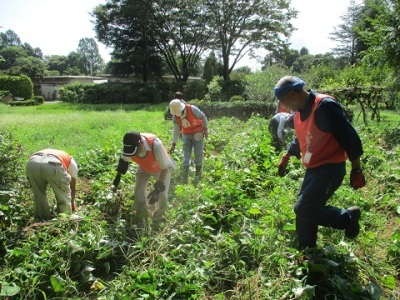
<point x="389" y="281"/>
<point x="254" y="211"/>
<point x="58" y="283"/>
<point x="9" y="290"/>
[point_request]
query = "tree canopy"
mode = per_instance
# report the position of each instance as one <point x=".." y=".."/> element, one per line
<point x="181" y="31"/>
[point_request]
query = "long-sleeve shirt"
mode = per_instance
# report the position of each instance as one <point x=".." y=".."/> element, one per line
<point x="177" y="129"/>
<point x="329" y="117"/>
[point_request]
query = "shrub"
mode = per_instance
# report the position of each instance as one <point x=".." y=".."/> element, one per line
<point x="18" y="86"/>
<point x="30" y="102"/>
<point x="236" y="98"/>
<point x="391" y="137"/>
<point x="242" y="110"/>
<point x="39" y="99"/>
<point x="260" y="85"/>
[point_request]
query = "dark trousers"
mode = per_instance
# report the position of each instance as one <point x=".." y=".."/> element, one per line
<point x="318" y="186"/>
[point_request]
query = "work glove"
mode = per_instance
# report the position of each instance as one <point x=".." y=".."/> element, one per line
<point x="153" y="196"/>
<point x="357" y="178"/>
<point x="283" y="164"/>
<point x="159" y="186"/>
<point x="116" y="181"/>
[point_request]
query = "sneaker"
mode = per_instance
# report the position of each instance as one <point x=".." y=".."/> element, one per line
<point x="353" y="229"/>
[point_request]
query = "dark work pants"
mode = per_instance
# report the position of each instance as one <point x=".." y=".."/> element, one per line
<point x="318" y="186"/>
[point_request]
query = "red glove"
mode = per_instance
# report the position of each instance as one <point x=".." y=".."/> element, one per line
<point x="357" y="178"/>
<point x="283" y="164"/>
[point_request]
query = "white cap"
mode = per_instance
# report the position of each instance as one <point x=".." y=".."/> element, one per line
<point x="176" y="107"/>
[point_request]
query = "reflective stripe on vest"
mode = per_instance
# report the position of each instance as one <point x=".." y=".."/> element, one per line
<point x="317" y="147"/>
<point x="149" y="162"/>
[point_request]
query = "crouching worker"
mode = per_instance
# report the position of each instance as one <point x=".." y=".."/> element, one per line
<point x="277" y="125"/>
<point x="57" y="169"/>
<point x="154" y="161"/>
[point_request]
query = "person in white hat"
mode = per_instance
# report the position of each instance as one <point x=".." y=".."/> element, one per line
<point x="59" y="170"/>
<point x="192" y="123"/>
<point x="149" y="153"/>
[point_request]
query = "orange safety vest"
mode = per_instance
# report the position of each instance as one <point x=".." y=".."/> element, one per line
<point x="63" y="156"/>
<point x="317" y="147"/>
<point x="149" y="162"/>
<point x="196" y="125"/>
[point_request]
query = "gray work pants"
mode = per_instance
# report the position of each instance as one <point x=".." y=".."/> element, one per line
<point x="44" y="170"/>
<point x="142" y="179"/>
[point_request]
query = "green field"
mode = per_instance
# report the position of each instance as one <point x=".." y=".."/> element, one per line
<point x="230" y="237"/>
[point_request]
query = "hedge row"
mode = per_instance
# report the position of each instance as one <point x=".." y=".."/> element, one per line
<point x="129" y="93"/>
<point x="18" y="86"/>
<point x="137" y="92"/>
<point x="242" y="110"/>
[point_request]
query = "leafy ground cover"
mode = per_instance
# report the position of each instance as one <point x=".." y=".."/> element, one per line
<point x="229" y="237"/>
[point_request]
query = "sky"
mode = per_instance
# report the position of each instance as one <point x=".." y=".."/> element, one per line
<point x="56" y="26"/>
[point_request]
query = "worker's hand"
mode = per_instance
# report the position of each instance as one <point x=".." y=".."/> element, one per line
<point x="116" y="181"/>
<point x="205" y="132"/>
<point x="159" y="186"/>
<point x="172" y="149"/>
<point x="357" y="178"/>
<point x="283" y="164"/>
<point x="153" y="196"/>
<point x="283" y="142"/>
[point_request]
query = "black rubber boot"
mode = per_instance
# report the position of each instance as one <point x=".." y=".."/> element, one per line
<point x="198" y="175"/>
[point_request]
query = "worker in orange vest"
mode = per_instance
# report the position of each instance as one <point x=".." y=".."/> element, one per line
<point x="192" y="125"/>
<point x="325" y="139"/>
<point x="59" y="170"/>
<point x="153" y="161"/>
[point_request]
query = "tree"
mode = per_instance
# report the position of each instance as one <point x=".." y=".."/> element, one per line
<point x="75" y="64"/>
<point x="89" y="51"/>
<point x="306" y="62"/>
<point x="212" y="67"/>
<point x="383" y="37"/>
<point x="128" y="27"/>
<point x="10" y="55"/>
<point x="346" y="34"/>
<point x="57" y="63"/>
<point x="182" y="34"/>
<point x="8" y="39"/>
<point x="304" y="51"/>
<point x="30" y="51"/>
<point x="245" y="25"/>
<point x="31" y="66"/>
<point x="144" y="30"/>
<point x="240" y="73"/>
